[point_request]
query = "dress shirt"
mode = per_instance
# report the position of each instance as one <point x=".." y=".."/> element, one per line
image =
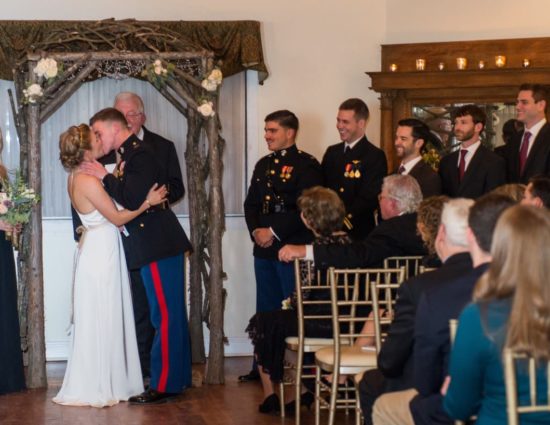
<point x="352" y="144"/>
<point x="471" y="152"/>
<point x="534" y="131"/>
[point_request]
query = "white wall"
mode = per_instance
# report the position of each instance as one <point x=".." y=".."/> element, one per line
<point x="431" y="20"/>
<point x="316" y="52"/>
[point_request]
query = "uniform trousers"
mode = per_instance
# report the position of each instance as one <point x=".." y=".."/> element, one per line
<point x="170" y="352"/>
<point x="274" y="282"/>
<point x="145" y="332"/>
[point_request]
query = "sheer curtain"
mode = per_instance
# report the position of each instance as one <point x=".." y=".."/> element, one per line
<point x="162" y="118"/>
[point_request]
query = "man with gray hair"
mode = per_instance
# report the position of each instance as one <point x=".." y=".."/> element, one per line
<point x="402" y="371"/>
<point x="395" y="236"/>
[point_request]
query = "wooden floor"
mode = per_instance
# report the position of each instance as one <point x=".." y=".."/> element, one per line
<point x="232" y="403"/>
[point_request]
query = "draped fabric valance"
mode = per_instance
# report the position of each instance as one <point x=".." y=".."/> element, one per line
<point x="237" y="44"/>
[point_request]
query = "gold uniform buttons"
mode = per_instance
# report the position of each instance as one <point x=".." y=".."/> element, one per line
<point x="341" y="189"/>
<point x="141" y="225"/>
<point x="267" y="197"/>
<point x="276" y="161"/>
<point x="272" y="171"/>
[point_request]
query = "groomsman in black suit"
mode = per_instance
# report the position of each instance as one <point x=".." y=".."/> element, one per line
<point x="473" y="170"/>
<point x="529" y="155"/>
<point x="164" y="151"/>
<point x="154" y="243"/>
<point x="354" y="168"/>
<point x="411" y="137"/>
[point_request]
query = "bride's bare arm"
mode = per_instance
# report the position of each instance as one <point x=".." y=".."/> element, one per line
<point x="95" y="193"/>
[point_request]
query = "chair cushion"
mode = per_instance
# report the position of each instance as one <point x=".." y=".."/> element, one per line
<point x="352" y="359"/>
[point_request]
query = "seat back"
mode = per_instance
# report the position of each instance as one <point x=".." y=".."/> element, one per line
<point x="412" y="264"/>
<point x="357" y="292"/>
<point x="516" y="363"/>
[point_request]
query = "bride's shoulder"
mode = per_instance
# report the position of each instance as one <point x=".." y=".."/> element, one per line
<point x="85" y="181"/>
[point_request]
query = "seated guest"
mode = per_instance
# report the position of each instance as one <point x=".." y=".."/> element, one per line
<point x="473" y="170"/>
<point x="411" y="138"/>
<point x="510" y="310"/>
<point x="444" y="302"/>
<point x="396" y="357"/>
<point x="322" y="212"/>
<point x="516" y="191"/>
<point x="395" y="236"/>
<point x="537" y="192"/>
<point x="427" y="223"/>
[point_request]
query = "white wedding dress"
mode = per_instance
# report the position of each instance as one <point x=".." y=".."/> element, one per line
<point x="103" y="365"/>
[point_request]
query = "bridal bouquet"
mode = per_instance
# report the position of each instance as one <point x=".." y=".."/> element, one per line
<point x="16" y="202"/>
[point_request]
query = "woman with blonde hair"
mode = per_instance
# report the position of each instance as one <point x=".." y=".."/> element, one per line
<point x="103" y="365"/>
<point x="510" y="310"/>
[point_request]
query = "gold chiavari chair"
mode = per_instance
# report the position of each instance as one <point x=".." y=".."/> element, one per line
<point x="352" y="292"/>
<point x="308" y="282"/>
<point x="511" y="359"/>
<point x="412" y="264"/>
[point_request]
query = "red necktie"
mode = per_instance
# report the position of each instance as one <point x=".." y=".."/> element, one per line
<point x="523" y="151"/>
<point x="401" y="169"/>
<point x="462" y="164"/>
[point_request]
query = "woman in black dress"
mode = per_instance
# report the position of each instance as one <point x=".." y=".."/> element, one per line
<point x="12" y="377"/>
<point x="323" y="212"/>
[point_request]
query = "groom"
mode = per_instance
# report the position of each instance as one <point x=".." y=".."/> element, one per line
<point x="155" y="243"/>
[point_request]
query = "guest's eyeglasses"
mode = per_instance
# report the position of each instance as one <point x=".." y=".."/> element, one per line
<point x="133" y="115"/>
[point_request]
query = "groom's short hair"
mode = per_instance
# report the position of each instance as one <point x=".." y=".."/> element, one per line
<point x="110" y="115"/>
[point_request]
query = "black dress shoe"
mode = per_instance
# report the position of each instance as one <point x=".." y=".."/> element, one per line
<point x="306" y="399"/>
<point x="152" y="397"/>
<point x="253" y="375"/>
<point x="270" y="405"/>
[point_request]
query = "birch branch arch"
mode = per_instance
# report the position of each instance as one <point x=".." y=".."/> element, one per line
<point x="119" y="49"/>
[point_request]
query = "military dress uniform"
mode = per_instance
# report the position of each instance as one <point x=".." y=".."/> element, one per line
<point x="155" y="243"/>
<point x="278" y="180"/>
<point x="356" y="175"/>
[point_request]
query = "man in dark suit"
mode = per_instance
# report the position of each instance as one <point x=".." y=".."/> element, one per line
<point x="354" y="168"/>
<point x="441" y="300"/>
<point x="155" y="243"/>
<point x="529" y="155"/>
<point x="473" y="170"/>
<point x="395" y="360"/>
<point x="411" y="137"/>
<point x="395" y="236"/>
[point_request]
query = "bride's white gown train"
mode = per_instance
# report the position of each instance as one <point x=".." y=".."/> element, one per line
<point x="103" y="366"/>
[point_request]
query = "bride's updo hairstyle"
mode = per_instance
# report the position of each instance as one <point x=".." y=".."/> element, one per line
<point x="73" y="144"/>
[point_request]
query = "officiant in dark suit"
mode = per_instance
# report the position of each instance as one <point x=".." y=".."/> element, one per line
<point x="473" y="170"/>
<point x="411" y="138"/>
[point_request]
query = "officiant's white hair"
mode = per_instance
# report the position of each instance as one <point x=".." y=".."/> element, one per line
<point x="126" y="96"/>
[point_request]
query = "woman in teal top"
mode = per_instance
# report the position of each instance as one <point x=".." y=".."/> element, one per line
<point x="510" y="310"/>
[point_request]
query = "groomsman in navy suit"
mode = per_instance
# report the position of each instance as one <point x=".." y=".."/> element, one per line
<point x="473" y="170"/>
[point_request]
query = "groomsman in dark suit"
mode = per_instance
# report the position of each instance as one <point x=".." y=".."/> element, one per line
<point x="164" y="151"/>
<point x="155" y="243"/>
<point x="529" y="155"/>
<point x="473" y="170"/>
<point x="354" y="168"/>
<point x="411" y="137"/>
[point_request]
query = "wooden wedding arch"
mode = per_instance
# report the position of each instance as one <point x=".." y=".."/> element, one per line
<point x="110" y="48"/>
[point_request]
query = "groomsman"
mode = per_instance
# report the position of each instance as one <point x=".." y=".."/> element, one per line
<point x="473" y="170"/>
<point x="155" y="243"/>
<point x="411" y="137"/>
<point x="529" y="155"/>
<point x="354" y="168"/>
<point x="164" y="151"/>
<point x="271" y="213"/>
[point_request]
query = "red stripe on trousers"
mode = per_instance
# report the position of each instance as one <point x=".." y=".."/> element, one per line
<point x="157" y="282"/>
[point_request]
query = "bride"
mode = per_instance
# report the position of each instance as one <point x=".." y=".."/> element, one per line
<point x="103" y="366"/>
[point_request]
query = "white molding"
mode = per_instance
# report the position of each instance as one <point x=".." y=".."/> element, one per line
<point x="57" y="350"/>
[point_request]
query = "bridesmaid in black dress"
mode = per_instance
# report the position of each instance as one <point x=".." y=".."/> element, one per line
<point x="12" y="377"/>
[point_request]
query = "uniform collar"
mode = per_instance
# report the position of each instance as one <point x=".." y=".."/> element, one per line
<point x="129" y="143"/>
<point x="283" y="152"/>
